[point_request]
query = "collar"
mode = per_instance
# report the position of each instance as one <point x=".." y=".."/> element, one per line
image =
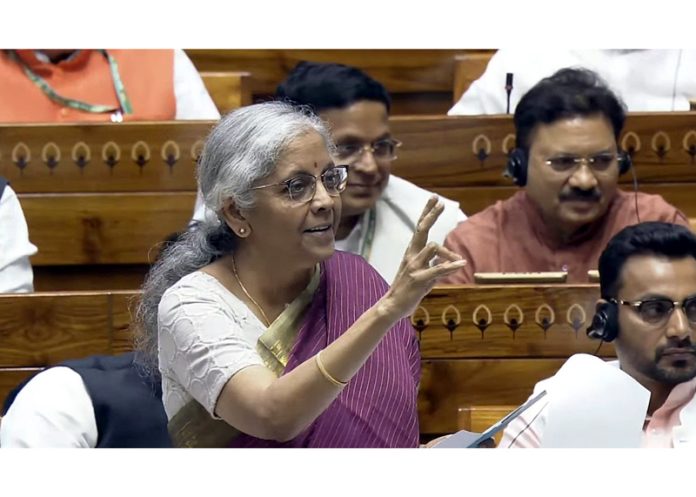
<point x="37" y="61"/>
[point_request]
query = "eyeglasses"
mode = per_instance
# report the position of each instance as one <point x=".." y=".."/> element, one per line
<point x="599" y="163"/>
<point x="381" y="150"/>
<point x="301" y="188"/>
<point x="658" y="310"/>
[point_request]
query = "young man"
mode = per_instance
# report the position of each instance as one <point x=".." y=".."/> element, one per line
<point x="379" y="210"/>
<point x="568" y="161"/>
<point x="648" y="310"/>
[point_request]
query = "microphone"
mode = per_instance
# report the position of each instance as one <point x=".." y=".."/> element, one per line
<point x="508" y="89"/>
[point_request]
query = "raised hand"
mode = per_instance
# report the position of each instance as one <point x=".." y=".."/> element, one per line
<point x="423" y="264"/>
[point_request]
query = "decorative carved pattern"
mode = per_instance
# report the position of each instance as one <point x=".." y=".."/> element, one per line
<point x="544" y="322"/>
<point x="50" y="155"/>
<point x="479" y="322"/>
<point x="481" y="147"/>
<point x="111" y="154"/>
<point x="630" y="143"/>
<point x="171" y="154"/>
<point x="418" y="322"/>
<point x="576" y="317"/>
<point x="689" y="144"/>
<point x="450" y="323"/>
<point x="508" y="143"/>
<point x="140" y="153"/>
<point x="21" y="156"/>
<point x="513" y="322"/>
<point x="661" y="144"/>
<point x="81" y="155"/>
<point x="196" y="150"/>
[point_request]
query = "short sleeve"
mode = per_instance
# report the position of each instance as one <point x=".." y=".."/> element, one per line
<point x="203" y="341"/>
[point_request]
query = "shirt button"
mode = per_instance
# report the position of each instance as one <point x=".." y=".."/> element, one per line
<point x="564" y="267"/>
<point x="63" y="112"/>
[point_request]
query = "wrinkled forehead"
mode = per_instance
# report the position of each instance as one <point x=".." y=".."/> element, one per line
<point x="658" y="275"/>
<point x="573" y="135"/>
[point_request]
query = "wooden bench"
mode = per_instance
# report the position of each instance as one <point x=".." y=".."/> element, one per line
<point x="116" y="190"/>
<point x="229" y="90"/>
<point x="528" y="332"/>
<point x="419" y="81"/>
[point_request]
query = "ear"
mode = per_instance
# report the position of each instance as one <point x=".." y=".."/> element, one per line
<point x="234" y="218"/>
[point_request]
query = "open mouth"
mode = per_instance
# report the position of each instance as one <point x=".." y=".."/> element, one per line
<point x="319" y="229"/>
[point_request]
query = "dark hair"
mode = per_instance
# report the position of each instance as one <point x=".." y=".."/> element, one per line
<point x="668" y="240"/>
<point x="570" y="92"/>
<point x="330" y="86"/>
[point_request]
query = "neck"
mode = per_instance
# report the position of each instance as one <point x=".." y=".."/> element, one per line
<point x="268" y="280"/>
<point x="346" y="226"/>
<point x="658" y="391"/>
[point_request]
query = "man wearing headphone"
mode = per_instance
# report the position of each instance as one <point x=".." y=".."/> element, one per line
<point x="568" y="161"/>
<point x="648" y="310"/>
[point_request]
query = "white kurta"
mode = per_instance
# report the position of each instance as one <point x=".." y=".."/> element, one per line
<point x="646" y="80"/>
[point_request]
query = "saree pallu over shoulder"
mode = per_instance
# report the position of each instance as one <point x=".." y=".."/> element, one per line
<point x="378" y="408"/>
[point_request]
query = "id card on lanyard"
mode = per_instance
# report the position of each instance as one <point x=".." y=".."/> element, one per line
<point x="124" y="107"/>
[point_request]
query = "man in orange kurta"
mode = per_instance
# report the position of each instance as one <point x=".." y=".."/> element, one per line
<point x="158" y="84"/>
<point x="569" y="162"/>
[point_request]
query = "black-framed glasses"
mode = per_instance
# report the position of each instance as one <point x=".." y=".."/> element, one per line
<point x="658" y="310"/>
<point x="599" y="162"/>
<point x="301" y="188"/>
<point x="384" y="149"/>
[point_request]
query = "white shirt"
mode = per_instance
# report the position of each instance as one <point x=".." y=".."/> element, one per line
<point x="646" y="80"/>
<point x="192" y="98"/>
<point x="52" y="410"/>
<point x="398" y="211"/>
<point x="206" y="335"/>
<point x="16" y="275"/>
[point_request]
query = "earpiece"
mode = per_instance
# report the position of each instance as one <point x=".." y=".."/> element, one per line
<point x="625" y="162"/>
<point x="605" y="323"/>
<point x="517" y="166"/>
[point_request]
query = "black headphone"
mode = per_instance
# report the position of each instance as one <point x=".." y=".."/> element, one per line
<point x="605" y="323"/>
<point x="518" y="162"/>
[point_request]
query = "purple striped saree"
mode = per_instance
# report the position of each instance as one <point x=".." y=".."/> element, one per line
<point x="378" y="407"/>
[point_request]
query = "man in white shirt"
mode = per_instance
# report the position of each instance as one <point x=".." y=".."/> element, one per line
<point x="648" y="310"/>
<point x="379" y="210"/>
<point x="16" y="275"/>
<point x="646" y="80"/>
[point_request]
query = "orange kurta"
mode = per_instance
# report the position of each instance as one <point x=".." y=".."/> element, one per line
<point x="511" y="237"/>
<point x="147" y="75"/>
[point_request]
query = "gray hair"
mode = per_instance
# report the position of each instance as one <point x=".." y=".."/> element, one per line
<point x="243" y="148"/>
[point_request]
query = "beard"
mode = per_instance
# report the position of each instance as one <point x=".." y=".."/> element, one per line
<point x="670" y="371"/>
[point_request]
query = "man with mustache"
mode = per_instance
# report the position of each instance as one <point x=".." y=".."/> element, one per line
<point x="568" y="161"/>
<point x="380" y="210"/>
<point x="648" y="310"/>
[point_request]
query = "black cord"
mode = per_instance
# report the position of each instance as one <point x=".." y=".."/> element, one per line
<point x="676" y="75"/>
<point x="601" y="342"/>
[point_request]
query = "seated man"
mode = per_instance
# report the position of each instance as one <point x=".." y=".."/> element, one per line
<point x="648" y="309"/>
<point x="379" y="210"/>
<point x="98" y="401"/>
<point x="101" y="85"/>
<point x="568" y="161"/>
<point x="16" y="275"/>
<point x="630" y="72"/>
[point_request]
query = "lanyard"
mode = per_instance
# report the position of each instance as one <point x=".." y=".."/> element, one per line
<point x="369" y="235"/>
<point x="124" y="103"/>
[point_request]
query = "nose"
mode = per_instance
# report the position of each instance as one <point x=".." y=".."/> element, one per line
<point x="366" y="161"/>
<point x="321" y="199"/>
<point x="583" y="178"/>
<point x="678" y="324"/>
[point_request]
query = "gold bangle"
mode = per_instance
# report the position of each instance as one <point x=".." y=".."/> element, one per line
<point x="325" y="373"/>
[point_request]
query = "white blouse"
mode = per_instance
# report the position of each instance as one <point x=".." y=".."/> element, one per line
<point x="206" y="335"/>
